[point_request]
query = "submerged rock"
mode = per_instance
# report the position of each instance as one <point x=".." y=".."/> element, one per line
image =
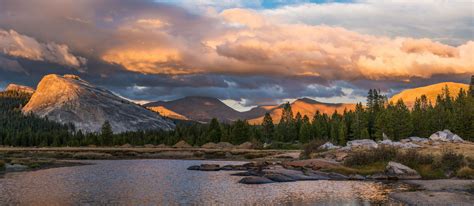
<point x="194" y="167"/>
<point x="210" y="167"/>
<point x="276" y="177"/>
<point x="255" y="180"/>
<point x="400" y="171"/>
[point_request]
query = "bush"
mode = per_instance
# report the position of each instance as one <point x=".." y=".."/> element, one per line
<point x="311" y="147"/>
<point x="283" y="145"/>
<point x="450" y="161"/>
<point x="380" y="154"/>
<point x="412" y="158"/>
<point x="466" y="173"/>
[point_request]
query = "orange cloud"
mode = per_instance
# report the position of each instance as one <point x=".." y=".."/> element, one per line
<point x="245" y="42"/>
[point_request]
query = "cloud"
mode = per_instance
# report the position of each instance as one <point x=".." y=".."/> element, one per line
<point x="445" y="21"/>
<point x="12" y="65"/>
<point x="22" y="46"/>
<point x="225" y="50"/>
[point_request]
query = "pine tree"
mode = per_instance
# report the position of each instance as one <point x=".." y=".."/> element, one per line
<point x="106" y="133"/>
<point x="268" y="128"/>
<point x="305" y="130"/>
<point x="214" y="131"/>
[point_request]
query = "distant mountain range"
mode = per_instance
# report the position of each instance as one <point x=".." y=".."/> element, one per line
<point x="70" y="99"/>
<point x="431" y="91"/>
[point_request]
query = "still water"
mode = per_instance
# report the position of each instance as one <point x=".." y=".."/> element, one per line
<point x="167" y="182"/>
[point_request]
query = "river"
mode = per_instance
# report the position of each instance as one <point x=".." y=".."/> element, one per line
<point x="167" y="182"/>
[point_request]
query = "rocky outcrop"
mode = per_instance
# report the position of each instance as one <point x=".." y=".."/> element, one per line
<point x="364" y="143"/>
<point x="445" y="136"/>
<point x="399" y="171"/>
<point x="20" y="88"/>
<point x="403" y="145"/>
<point x="69" y="99"/>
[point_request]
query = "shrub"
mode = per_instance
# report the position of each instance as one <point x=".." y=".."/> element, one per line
<point x="311" y="147"/>
<point x="380" y="154"/>
<point x="450" y="161"/>
<point x="466" y="173"/>
<point x="412" y="158"/>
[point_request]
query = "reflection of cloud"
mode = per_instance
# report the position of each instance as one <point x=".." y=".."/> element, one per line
<point x="17" y="45"/>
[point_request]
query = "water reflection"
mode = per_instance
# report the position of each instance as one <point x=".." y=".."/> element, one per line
<point x="152" y="182"/>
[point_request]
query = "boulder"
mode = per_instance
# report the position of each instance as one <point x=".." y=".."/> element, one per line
<point x="445" y="136"/>
<point x="329" y="146"/>
<point x="182" y="144"/>
<point x="419" y="139"/>
<point x="15" y="167"/>
<point x="245" y="145"/>
<point x="194" y="167"/>
<point x="356" y="177"/>
<point x="378" y="176"/>
<point x="210" y="167"/>
<point x="255" y="180"/>
<point x="276" y="177"/>
<point x="399" y="171"/>
<point x="364" y="143"/>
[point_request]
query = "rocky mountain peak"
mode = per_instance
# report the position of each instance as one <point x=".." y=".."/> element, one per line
<point x="20" y="88"/>
<point x="70" y="99"/>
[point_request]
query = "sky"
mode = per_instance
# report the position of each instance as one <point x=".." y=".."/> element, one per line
<point x="244" y="52"/>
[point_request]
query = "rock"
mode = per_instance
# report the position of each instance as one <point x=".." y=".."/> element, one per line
<point x="400" y="171"/>
<point x="182" y="144"/>
<point x="210" y="167"/>
<point x="378" y="177"/>
<point x="245" y="145"/>
<point x="255" y="180"/>
<point x="247" y="173"/>
<point x="404" y="145"/>
<point x="337" y="176"/>
<point x="72" y="100"/>
<point x="341" y="156"/>
<point x="405" y="140"/>
<point x="194" y="167"/>
<point x="149" y="146"/>
<point x="419" y="139"/>
<point x="328" y="146"/>
<point x="356" y="177"/>
<point x="227" y="167"/>
<point x="276" y="177"/>
<point x="445" y="136"/>
<point x="364" y="143"/>
<point x="409" y="145"/>
<point x="15" y="167"/>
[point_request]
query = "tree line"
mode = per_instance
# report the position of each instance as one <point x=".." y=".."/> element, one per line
<point x="375" y="120"/>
